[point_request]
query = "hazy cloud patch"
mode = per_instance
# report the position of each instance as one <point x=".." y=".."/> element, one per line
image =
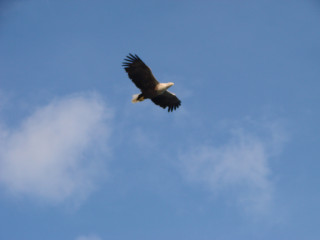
<point x="56" y="153"/>
<point x="239" y="168"/>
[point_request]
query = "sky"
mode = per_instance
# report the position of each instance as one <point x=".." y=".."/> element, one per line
<point x="238" y="160"/>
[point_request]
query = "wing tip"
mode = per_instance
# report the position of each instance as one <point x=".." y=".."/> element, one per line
<point x="174" y="107"/>
<point x="130" y="59"/>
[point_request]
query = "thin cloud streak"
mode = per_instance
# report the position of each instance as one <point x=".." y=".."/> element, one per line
<point x="88" y="237"/>
<point x="56" y="153"/>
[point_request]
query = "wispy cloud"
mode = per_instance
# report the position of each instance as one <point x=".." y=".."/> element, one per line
<point x="88" y="237"/>
<point x="56" y="152"/>
<point x="239" y="168"/>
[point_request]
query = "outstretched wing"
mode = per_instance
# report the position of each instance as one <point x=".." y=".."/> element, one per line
<point x="139" y="73"/>
<point x="167" y="99"/>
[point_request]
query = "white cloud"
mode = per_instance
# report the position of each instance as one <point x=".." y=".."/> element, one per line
<point x="89" y="237"/>
<point x="239" y="168"/>
<point x="55" y="154"/>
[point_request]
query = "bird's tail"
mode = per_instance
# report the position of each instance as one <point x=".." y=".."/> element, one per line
<point x="137" y="98"/>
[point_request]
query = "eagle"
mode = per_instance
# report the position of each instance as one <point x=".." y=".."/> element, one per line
<point x="142" y="77"/>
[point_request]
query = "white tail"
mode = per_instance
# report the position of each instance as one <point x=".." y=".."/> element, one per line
<point x="135" y="98"/>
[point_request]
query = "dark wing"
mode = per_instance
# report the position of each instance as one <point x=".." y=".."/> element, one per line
<point x="139" y="73"/>
<point x="167" y="99"/>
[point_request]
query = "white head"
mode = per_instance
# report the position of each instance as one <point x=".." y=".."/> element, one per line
<point x="161" y="87"/>
<point x="169" y="84"/>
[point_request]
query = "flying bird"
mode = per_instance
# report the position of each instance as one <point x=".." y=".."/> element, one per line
<point x="142" y="77"/>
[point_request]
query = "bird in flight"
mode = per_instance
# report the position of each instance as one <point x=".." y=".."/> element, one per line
<point x="142" y="77"/>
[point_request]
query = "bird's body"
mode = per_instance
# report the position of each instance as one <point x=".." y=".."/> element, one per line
<point x="142" y="77"/>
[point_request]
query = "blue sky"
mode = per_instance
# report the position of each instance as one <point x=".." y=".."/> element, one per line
<point x="238" y="160"/>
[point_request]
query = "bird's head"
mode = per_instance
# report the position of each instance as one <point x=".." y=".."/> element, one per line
<point x="169" y="84"/>
<point x="161" y="87"/>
